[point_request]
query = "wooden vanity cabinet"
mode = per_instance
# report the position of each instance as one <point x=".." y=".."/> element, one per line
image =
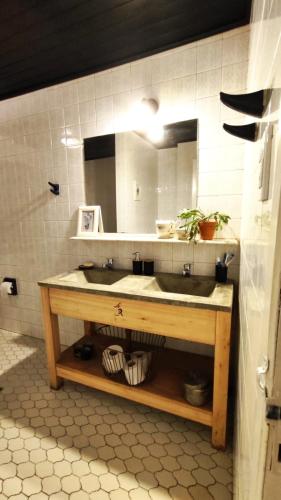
<point x="165" y="390"/>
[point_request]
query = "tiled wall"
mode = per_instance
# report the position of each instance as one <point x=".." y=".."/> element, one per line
<point x="259" y="275"/>
<point x="35" y="226"/>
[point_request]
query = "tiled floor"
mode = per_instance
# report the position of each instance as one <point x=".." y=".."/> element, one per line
<point x="81" y="444"/>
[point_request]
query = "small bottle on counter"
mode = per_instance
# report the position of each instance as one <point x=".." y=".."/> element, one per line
<point x="148" y="267"/>
<point x="221" y="271"/>
<point x="137" y="263"/>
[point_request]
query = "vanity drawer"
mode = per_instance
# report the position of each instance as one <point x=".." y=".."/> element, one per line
<point x="187" y="323"/>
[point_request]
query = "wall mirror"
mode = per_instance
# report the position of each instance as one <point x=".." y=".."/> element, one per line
<point x="137" y="180"/>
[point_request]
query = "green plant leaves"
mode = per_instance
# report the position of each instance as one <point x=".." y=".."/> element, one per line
<point x="192" y="218"/>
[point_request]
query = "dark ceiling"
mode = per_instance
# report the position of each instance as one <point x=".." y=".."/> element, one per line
<point x="43" y="42"/>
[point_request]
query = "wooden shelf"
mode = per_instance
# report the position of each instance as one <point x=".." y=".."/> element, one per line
<point x="164" y="391"/>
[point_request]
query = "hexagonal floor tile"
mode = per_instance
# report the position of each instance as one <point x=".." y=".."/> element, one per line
<point x="82" y="444"/>
<point x="108" y="482"/>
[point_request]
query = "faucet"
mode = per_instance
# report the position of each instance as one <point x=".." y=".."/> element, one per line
<point x="186" y="272"/>
<point x="108" y="264"/>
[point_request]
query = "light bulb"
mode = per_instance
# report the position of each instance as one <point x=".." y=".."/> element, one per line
<point x="155" y="131"/>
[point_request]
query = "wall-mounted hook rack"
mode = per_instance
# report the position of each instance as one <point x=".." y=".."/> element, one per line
<point x="55" y="188"/>
<point x="248" y="132"/>
<point x="253" y="104"/>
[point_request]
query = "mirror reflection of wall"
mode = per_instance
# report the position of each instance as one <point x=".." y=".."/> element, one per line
<point x="100" y="179"/>
<point x="136" y="181"/>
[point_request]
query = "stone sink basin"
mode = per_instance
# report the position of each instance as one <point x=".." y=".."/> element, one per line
<point x="188" y="286"/>
<point x="104" y="276"/>
<point x="167" y="284"/>
<point x="98" y="276"/>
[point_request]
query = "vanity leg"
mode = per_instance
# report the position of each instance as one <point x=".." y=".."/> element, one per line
<point x="52" y="339"/>
<point x="221" y="371"/>
<point x="88" y="328"/>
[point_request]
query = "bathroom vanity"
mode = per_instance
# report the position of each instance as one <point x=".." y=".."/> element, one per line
<point x="195" y="309"/>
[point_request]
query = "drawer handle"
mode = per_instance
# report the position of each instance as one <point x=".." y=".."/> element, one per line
<point x="119" y="310"/>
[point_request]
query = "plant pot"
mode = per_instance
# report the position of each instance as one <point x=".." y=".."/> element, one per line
<point x="207" y="230"/>
<point x="181" y="234"/>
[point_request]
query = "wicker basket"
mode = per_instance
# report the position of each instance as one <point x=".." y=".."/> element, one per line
<point x="132" y="336"/>
<point x="129" y="357"/>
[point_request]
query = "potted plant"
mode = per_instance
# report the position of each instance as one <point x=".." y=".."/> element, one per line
<point x="195" y="222"/>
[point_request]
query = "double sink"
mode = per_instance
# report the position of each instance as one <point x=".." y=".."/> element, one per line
<point x="169" y="283"/>
<point x="193" y="291"/>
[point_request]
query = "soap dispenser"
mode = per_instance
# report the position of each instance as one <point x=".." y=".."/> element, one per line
<point x="137" y="263"/>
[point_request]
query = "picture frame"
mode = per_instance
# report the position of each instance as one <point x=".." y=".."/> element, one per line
<point x="89" y="220"/>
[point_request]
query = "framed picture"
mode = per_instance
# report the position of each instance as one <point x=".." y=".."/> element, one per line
<point x="89" y="220"/>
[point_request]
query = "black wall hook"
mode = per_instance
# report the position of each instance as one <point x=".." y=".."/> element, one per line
<point x="248" y="132"/>
<point x="253" y="104"/>
<point x="55" y="188"/>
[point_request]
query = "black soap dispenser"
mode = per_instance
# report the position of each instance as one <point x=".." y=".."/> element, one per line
<point x="137" y="263"/>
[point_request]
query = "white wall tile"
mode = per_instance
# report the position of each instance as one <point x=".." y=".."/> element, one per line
<point x="59" y="157"/>
<point x="122" y="110"/>
<point x="87" y="111"/>
<point x="71" y="115"/>
<point x="230" y="204"/>
<point x="209" y="39"/>
<point x="158" y="68"/>
<point x="175" y="64"/>
<point x="69" y="94"/>
<point x="54" y="95"/>
<point x="121" y="79"/>
<point x="209" y="56"/>
<point x="86" y="88"/>
<point x="216" y="159"/>
<point x="89" y="129"/>
<point x="235" y="49"/>
<point x="208" y="110"/>
<point x="163" y="266"/>
<point x="234" y="77"/>
<point x="103" y="84"/>
<point x="208" y="83"/>
<point x="236" y="31"/>
<point x="183" y="253"/>
<point x="56" y="118"/>
<point x="214" y="183"/>
<point x="104" y="109"/>
<point x="141" y="73"/>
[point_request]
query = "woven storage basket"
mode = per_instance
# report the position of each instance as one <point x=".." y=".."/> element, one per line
<point x="131" y="357"/>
